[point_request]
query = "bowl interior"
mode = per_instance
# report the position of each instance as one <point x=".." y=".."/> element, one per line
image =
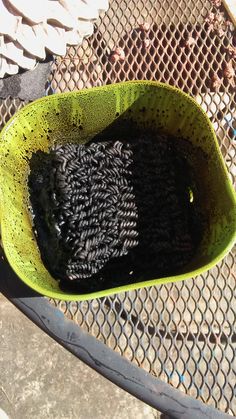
<point x="77" y="117"/>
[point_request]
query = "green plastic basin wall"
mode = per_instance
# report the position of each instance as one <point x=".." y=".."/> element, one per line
<point x="77" y="117"/>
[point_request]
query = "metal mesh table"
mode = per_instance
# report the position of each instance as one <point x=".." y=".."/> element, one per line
<point x="183" y="333"/>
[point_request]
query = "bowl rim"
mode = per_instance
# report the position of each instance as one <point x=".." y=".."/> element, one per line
<point x="137" y="285"/>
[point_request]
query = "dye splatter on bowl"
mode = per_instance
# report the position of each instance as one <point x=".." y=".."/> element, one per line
<point x="78" y="116"/>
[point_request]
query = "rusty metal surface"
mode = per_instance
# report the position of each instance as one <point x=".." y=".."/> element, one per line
<point x="183" y="333"/>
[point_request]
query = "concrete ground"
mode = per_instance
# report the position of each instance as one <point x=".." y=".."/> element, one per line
<point x="40" y="379"/>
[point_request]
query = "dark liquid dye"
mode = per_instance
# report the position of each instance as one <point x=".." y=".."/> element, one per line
<point x="169" y="225"/>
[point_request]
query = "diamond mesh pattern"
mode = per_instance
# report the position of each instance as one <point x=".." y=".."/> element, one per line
<point x="8" y="107"/>
<point x="184" y="333"/>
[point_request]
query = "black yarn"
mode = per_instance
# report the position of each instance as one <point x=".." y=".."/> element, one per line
<point x="92" y="214"/>
<point x="161" y="178"/>
<point x="113" y="212"/>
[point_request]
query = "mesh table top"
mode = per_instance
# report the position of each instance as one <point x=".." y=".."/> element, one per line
<point x="183" y="333"/>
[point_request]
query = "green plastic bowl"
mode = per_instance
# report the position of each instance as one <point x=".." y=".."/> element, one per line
<point x="78" y="116"/>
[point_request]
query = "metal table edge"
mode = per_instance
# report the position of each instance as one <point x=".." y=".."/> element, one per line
<point x="95" y="354"/>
